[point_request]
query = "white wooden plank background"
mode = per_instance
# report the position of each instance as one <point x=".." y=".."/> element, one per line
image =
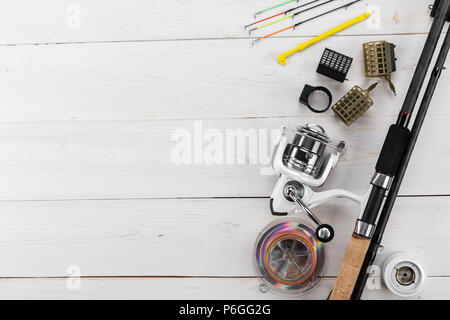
<point x="87" y="116"/>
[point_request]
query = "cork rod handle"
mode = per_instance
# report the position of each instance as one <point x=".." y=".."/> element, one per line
<point x="350" y="268"/>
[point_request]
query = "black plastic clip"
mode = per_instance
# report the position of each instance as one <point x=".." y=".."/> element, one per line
<point x="306" y="93"/>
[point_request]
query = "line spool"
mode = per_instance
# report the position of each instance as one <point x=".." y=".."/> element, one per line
<point x="288" y="257"/>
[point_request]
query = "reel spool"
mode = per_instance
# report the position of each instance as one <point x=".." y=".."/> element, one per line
<point x="288" y="258"/>
<point x="404" y="275"/>
<point x="306" y="153"/>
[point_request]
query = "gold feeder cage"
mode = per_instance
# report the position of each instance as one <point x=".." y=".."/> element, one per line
<point x="380" y="61"/>
<point x="354" y="104"/>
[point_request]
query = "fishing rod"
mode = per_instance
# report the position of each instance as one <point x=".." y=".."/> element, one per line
<point x="293" y="15"/>
<point x="392" y="196"/>
<point x="274" y="7"/>
<point x="391" y="166"/>
<point x="304" y="21"/>
<point x="281" y="13"/>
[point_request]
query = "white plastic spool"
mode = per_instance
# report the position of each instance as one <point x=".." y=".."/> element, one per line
<point x="411" y="281"/>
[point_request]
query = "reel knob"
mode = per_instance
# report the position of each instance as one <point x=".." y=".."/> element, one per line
<point x="325" y="233"/>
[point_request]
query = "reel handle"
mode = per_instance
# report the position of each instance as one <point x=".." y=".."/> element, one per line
<point x="324" y="232"/>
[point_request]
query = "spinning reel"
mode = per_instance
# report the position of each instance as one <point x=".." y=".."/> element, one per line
<point x="303" y="164"/>
<point x="290" y="255"/>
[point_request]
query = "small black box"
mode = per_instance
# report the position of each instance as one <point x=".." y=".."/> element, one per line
<point x="334" y="65"/>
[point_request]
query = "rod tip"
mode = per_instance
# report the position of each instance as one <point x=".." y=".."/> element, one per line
<point x="255" y="41"/>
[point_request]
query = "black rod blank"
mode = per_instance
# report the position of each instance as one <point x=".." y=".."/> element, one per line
<point x="425" y="59"/>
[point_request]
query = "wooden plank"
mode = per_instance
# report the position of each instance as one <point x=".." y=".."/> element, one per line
<point x="188" y="237"/>
<point x="95" y="121"/>
<point x="106" y="160"/>
<point x="56" y="21"/>
<point x="189" y="80"/>
<point x="176" y="288"/>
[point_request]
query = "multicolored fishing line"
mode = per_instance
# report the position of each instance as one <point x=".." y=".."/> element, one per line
<point x="305" y="255"/>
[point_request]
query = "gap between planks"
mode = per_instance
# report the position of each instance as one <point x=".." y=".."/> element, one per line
<point x="168" y="277"/>
<point x="280" y="117"/>
<point x="187" y="198"/>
